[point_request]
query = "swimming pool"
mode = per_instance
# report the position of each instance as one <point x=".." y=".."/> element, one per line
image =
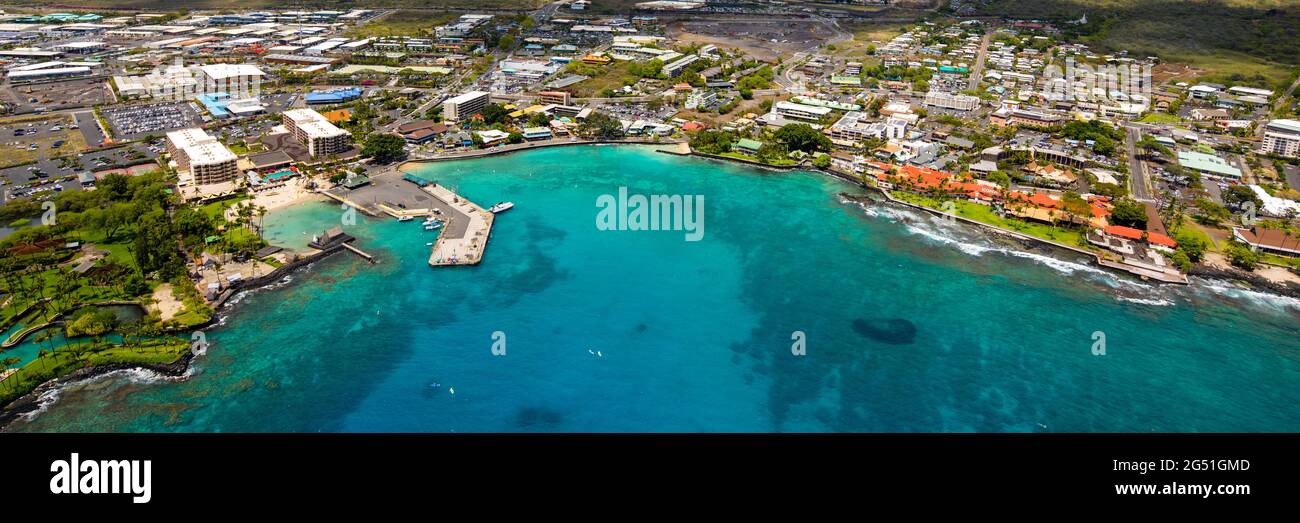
<point x="285" y="173"/>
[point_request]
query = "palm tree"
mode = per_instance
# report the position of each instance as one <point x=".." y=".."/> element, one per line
<point x="9" y="363"/>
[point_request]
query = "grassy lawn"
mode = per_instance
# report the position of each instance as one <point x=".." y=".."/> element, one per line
<point x="1284" y="261"/>
<point x="402" y="23"/>
<point x="1160" y="118"/>
<point x="866" y="35"/>
<point x="66" y="360"/>
<point x="218" y="208"/>
<point x="610" y="76"/>
<point x="985" y="214"/>
<point x="778" y="163"/>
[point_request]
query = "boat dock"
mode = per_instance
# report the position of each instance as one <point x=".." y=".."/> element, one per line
<point x="466" y="226"/>
<point x="359" y="252"/>
<point x="465" y="236"/>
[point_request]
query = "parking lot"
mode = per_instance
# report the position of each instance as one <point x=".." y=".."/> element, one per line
<point x="54" y="96"/>
<point x="39" y="180"/>
<point x="29" y="138"/>
<point x="136" y="121"/>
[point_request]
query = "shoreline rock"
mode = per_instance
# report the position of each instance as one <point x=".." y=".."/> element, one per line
<point x="30" y="402"/>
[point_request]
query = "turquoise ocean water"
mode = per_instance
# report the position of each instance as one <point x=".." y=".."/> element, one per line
<point x="911" y="324"/>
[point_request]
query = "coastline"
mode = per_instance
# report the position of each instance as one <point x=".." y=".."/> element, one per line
<point x="30" y="402"/>
<point x="529" y="146"/>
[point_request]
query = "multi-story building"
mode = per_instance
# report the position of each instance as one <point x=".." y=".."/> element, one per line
<point x="1015" y="116"/>
<point x="321" y="137"/>
<point x="464" y="106"/>
<point x="239" y="80"/>
<point x="1282" y="137"/>
<point x="675" y="67"/>
<point x="800" y="111"/>
<point x="960" y="102"/>
<point x="206" y="159"/>
<point x="554" y="97"/>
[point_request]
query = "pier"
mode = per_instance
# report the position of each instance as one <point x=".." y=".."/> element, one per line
<point x="464" y="237"/>
<point x="466" y="225"/>
<point x="359" y="252"/>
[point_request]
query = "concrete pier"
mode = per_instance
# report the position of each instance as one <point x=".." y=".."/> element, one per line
<point x="465" y="235"/>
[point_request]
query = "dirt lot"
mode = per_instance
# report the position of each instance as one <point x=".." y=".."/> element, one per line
<point x="38" y="131"/>
<point x="764" y="40"/>
<point x="56" y="95"/>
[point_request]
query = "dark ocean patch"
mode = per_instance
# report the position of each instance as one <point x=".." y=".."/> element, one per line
<point x="537" y="417"/>
<point x="893" y="331"/>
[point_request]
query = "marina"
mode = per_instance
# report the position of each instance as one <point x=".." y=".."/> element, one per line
<point x="463" y="226"/>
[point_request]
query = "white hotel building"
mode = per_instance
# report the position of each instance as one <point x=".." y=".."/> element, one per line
<point x="1282" y="137"/>
<point x="206" y="159"/>
<point x="321" y="137"/>
<point x="464" y="106"/>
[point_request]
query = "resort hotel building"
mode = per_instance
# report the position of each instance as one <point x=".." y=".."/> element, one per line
<point x="464" y="106"/>
<point x="321" y="137"/>
<point x="206" y="159"/>
<point x="1282" y="137"/>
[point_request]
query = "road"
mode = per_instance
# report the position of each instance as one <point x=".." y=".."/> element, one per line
<point x="792" y="80"/>
<point x="1139" y="177"/>
<point x="977" y="72"/>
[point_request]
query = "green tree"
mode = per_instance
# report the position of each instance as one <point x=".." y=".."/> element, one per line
<point x="384" y="147"/>
<point x="1241" y="256"/>
<point x="600" y="125"/>
<point x="802" y="137"/>
<point x="1130" y="213"/>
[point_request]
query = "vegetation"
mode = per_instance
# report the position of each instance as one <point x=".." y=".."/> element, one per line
<point x="51" y="364"/>
<point x="384" y="147"/>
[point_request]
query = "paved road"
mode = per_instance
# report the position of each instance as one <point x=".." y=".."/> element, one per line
<point x="89" y="128"/>
<point x="977" y="72"/>
<point x="1139" y="177"/>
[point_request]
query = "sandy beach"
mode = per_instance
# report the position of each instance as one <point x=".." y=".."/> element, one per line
<point x="291" y="193"/>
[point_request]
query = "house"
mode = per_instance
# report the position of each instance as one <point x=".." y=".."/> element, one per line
<point x="1051" y="173"/>
<point x="1154" y="239"/>
<point x="1274" y="241"/>
<point x="1203" y="114"/>
<point x="747" y="146"/>
<point x="421" y="131"/>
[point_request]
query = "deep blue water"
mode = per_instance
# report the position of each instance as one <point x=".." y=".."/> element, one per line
<point x="911" y="324"/>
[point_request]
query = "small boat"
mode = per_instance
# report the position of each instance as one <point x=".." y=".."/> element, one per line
<point x="501" y="207"/>
<point x="432" y="226"/>
<point x="430" y="244"/>
<point x="404" y="218"/>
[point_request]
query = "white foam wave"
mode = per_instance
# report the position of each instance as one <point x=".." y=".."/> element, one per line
<point x="1154" y="302"/>
<point x="44" y="401"/>
<point x="1264" y="299"/>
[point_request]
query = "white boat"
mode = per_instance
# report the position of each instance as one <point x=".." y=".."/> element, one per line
<point x="501" y="207"/>
<point x="404" y="218"/>
<point x="432" y="226"/>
